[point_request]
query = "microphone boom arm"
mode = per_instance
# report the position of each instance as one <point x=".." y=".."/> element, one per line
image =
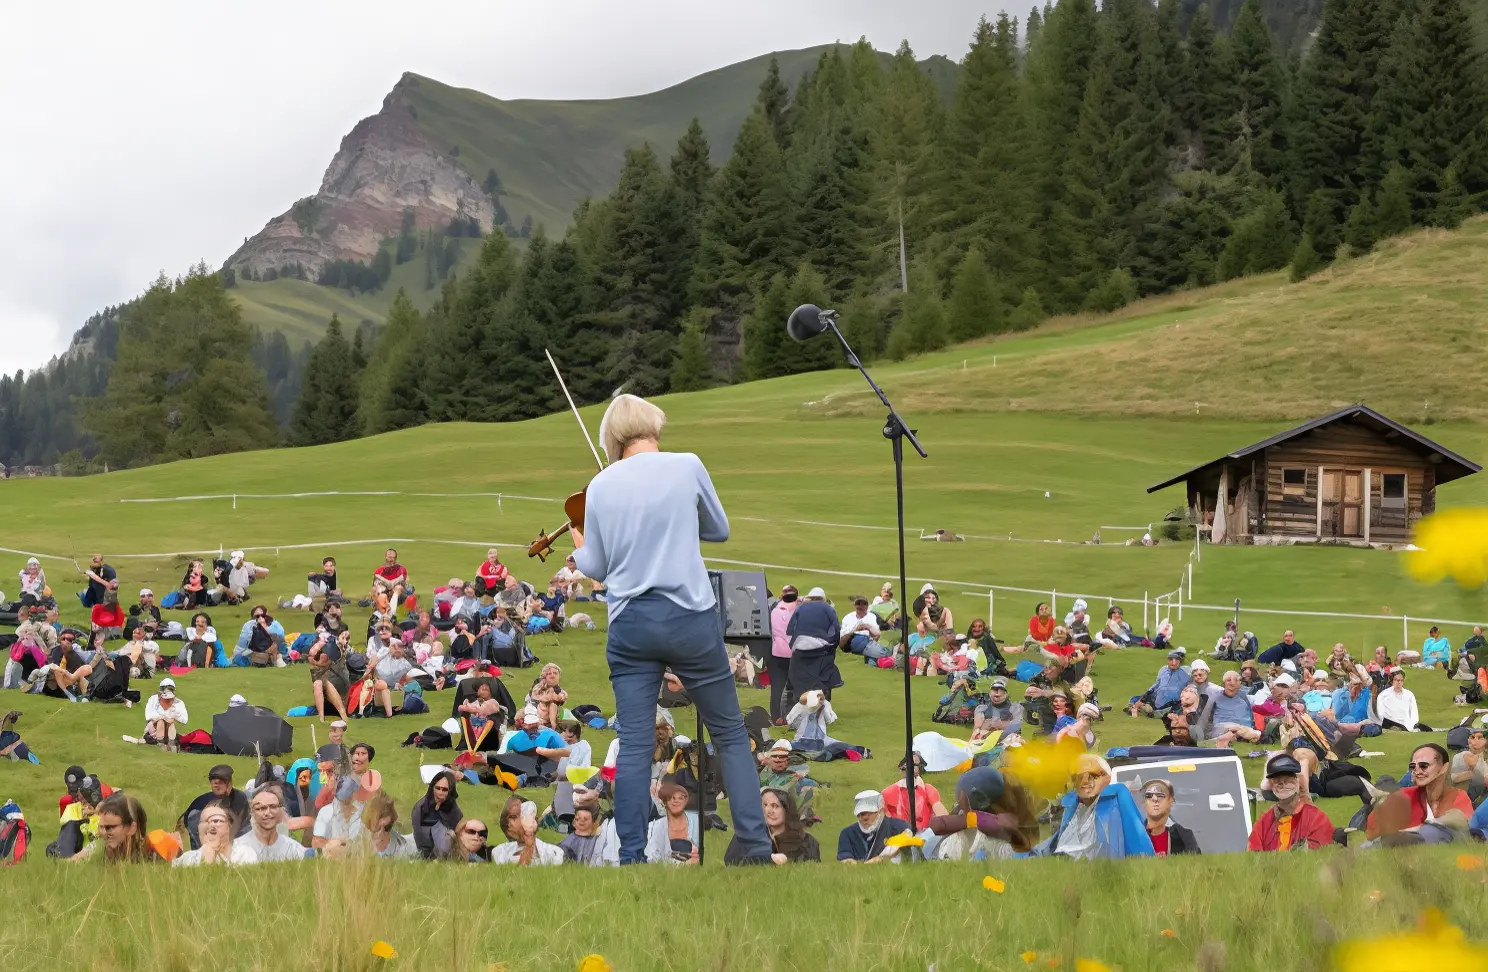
<point x="895" y="424"/>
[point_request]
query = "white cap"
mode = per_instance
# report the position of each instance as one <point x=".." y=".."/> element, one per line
<point x="146" y="592"/>
<point x="1199" y="665"/>
<point x="1284" y="679"/>
<point x="340" y="724"/>
<point x="32" y="562"/>
<point x="816" y="592"/>
<point x="530" y="718"/>
<point x="868" y="801"/>
<point x="237" y="556"/>
<point x="927" y="588"/>
<point x="167" y="683"/>
<point x="237" y="700"/>
<point x="782" y="746"/>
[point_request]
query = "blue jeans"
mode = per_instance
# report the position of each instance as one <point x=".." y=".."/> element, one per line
<point x="867" y="647"/>
<point x="650" y="634"/>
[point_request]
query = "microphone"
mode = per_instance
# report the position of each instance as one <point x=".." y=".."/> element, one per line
<point x="807" y="321"/>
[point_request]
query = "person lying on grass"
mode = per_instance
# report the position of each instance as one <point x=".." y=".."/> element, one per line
<point x="1294" y="823"/>
<point x="215" y="828"/>
<point x="866" y="841"/>
<point x="163" y="713"/>
<point x="1005" y="822"/>
<point x="469" y="843"/>
<point x="263" y="839"/>
<point x="522" y="848"/>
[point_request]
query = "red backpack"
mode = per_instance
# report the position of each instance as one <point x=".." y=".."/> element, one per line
<point x="15" y="835"/>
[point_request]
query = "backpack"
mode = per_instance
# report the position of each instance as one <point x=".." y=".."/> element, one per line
<point x="197" y="741"/>
<point x="15" y="835"/>
<point x="959" y="708"/>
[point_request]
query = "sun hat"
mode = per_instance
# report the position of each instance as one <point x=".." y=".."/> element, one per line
<point x="867" y="801"/>
<point x="782" y="746"/>
<point x="167" y="683"/>
<point x="816" y="592"/>
<point x="1199" y="665"/>
<point x="236" y="556"/>
<point x="1089" y="710"/>
<point x="236" y="700"/>
<point x="1175" y="653"/>
<point x="1284" y="679"/>
<point x="339" y="724"/>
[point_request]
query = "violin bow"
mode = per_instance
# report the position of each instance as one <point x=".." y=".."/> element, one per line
<point x="561" y="384"/>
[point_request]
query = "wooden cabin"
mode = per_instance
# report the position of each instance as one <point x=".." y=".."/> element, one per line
<point x="1352" y="477"/>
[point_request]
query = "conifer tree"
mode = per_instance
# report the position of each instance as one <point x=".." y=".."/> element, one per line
<point x="329" y="398"/>
<point x="375" y="401"/>
<point x="976" y="306"/>
<point x="692" y="168"/>
<point x="908" y="128"/>
<point x="458" y="388"/>
<point x="1305" y="261"/>
<point x="693" y="369"/>
<point x="1452" y="204"/>
<point x="1252" y="127"/>
<point x="1359" y="229"/>
<point x="1392" y="204"/>
<point x="766" y="346"/>
<point x="1261" y="241"/>
<point x="774" y="101"/>
<point x="1029" y="313"/>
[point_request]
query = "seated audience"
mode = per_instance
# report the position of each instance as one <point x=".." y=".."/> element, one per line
<point x="1396" y="706"/>
<point x="1436" y="650"/>
<point x="519" y="824"/>
<point x="220" y="790"/>
<point x="380" y="836"/>
<point x="1180" y="732"/>
<point x="1431" y="810"/>
<point x="163" y="713"/>
<point x="1294" y="822"/>
<point x="1231" y="716"/>
<point x="591" y="841"/>
<point x="789" y="841"/>
<point x="927" y="798"/>
<point x="859" y="632"/>
<point x="866" y="841"/>
<point x="215" y="828"/>
<point x="1163" y="693"/>
<point x="233" y="585"/>
<point x="1168" y="835"/>
<point x="570" y="579"/>
<point x="390" y="669"/>
<point x="1284" y="650"/>
<point x="491" y="575"/>
<point x="1040" y="627"/>
<point x="468" y="845"/>
<point x="390" y="580"/>
<point x="330" y="681"/>
<point x="995" y="818"/>
<point x="435" y="817"/>
<point x="261" y="641"/>
<point x="1470" y="769"/>
<point x="67" y="670"/>
<point x="672" y="839"/>
<point x="201" y="646"/>
<point x="998" y="714"/>
<point x="1101" y="820"/>
<point x="122" y="830"/>
<point x="778" y="774"/>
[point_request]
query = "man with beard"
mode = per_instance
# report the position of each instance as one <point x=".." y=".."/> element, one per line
<point x="1294" y="823"/>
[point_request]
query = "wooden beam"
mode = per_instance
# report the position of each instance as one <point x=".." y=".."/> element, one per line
<point x="1320" y="504"/>
<point x="1368" y="499"/>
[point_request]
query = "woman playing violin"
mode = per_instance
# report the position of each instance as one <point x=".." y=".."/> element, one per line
<point x="644" y="517"/>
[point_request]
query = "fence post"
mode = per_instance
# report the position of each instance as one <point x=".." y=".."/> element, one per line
<point x="235" y="500"/>
<point x="1180" y="598"/>
<point x="1145" y="625"/>
<point x="1190" y="580"/>
<point x="991" y="610"/>
<point x="1054" y="603"/>
<point x="1404" y="632"/>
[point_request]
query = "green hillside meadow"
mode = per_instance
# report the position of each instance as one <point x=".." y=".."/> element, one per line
<point x="807" y="480"/>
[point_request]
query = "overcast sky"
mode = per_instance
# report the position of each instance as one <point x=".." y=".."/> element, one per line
<point x="144" y="136"/>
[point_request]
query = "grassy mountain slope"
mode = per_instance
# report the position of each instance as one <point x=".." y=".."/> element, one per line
<point x="300" y="309"/>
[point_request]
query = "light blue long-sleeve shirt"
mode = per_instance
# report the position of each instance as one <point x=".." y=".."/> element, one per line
<point x="1170" y="682"/>
<point x="1435" y="650"/>
<point x="643" y="520"/>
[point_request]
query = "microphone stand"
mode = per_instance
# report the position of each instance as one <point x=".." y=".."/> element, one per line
<point x="896" y="432"/>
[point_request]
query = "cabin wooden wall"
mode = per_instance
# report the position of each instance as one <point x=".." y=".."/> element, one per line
<point x="1344" y="446"/>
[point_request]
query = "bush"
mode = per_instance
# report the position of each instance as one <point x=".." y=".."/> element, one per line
<point x="1115" y="292"/>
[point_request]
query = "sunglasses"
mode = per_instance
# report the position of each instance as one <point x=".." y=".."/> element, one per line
<point x="1155" y="795"/>
<point x="1420" y="766"/>
<point x="477" y="833"/>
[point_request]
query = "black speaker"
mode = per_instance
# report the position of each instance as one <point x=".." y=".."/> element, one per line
<point x="743" y="608"/>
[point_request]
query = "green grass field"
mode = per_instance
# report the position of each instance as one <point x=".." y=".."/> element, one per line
<point x="804" y="478"/>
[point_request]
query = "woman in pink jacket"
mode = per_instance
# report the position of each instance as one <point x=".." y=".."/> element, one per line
<point x="780" y="650"/>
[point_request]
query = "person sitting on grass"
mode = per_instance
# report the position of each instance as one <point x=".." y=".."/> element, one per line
<point x="422" y="632"/>
<point x="548" y="607"/>
<point x="379" y="834"/>
<point x="339" y="822"/>
<point x="1351" y="705"/>
<point x="980" y="638"/>
<point x="163" y="713"/>
<point x="261" y="641"/>
<point x="866" y="841"/>
<point x="591" y="841"/>
<point x="1081" y="726"/>
<point x="78" y="823"/>
<point x="34" y="589"/>
<point x="570" y="579"/>
<point x="1338" y="663"/>
<point x="1168" y="835"/>
<point x="1040" y="627"/>
<point x="330" y="619"/>
<point x="141" y="651"/>
<point x="933" y="621"/>
<point x="1163" y="694"/>
<point x="995" y="818"/>
<point x="1284" y="650"/>
<point x="886" y="608"/>
<point x="27" y="654"/>
<point x="391" y="670"/>
<point x="67" y="670"/>
<point x="539" y="740"/>
<point x="490" y="576"/>
<point x="549" y="684"/>
<point x="519" y="823"/>
<point x="1196" y="709"/>
<point x="326" y="583"/>
<point x="329" y="679"/>
<point x="927" y="798"/>
<point x="436" y="816"/>
<point x="1469" y="768"/>
<point x="1101" y="820"/>
<point x="1294" y="822"/>
<point x="201" y="645"/>
<point x="777" y="774"/>
<point x="263" y="839"/>
<point x="859" y="632"/>
<point x="390" y="580"/>
<point x="1436" y="650"/>
<point x="122" y="826"/>
<point x="215" y="829"/>
<point x="467" y="605"/>
<point x="1396" y="706"/>
<point x="513" y="598"/>
<point x="1179" y="733"/>
<point x="1117" y="633"/>
<point x="789" y="841"/>
<point x="1067" y="659"/>
<point x="1473" y="658"/>
<point x="998" y="714"/>
<point x="220" y="790"/>
<point x="1431" y="810"/>
<point x="468" y="845"/>
<point x="672" y="839"/>
<point x="1230" y="717"/>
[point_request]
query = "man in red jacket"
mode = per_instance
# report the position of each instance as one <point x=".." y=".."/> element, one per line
<point x="1294" y="823"/>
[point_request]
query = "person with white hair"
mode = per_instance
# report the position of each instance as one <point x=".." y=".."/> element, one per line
<point x="813" y="632"/>
<point x="34" y="589"/>
<point x="645" y="516"/>
<point x="233" y="585"/>
<point x="867" y="840"/>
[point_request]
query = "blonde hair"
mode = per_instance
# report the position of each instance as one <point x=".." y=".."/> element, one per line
<point x="628" y="419"/>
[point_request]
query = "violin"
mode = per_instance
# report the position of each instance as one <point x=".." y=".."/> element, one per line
<point x="573" y="507"/>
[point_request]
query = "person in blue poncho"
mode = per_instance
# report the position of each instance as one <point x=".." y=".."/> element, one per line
<point x="1101" y="819"/>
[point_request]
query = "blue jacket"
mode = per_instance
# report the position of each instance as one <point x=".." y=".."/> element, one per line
<point x="1477" y="824"/>
<point x="1169" y="683"/>
<point x="1119" y="825"/>
<point x="1435" y="650"/>
<point x="815" y="619"/>
<point x="1347" y="710"/>
<point x="854" y="845"/>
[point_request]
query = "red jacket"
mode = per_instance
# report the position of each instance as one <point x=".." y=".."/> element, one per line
<point x="1308" y="823"/>
<point x="1416" y="798"/>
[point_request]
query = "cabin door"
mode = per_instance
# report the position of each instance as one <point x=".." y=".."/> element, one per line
<point x="1343" y="503"/>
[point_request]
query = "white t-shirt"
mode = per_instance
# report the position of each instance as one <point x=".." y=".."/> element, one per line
<point x="209" y="636"/>
<point x="282" y="849"/>
<point x="239" y="577"/>
<point x="238" y="855"/>
<point x="546" y="853"/>
<point x="332" y="824"/>
<point x="850" y="622"/>
<point x="154" y="710"/>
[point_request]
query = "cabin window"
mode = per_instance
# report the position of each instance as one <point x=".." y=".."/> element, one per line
<point x="1294" y="483"/>
<point x="1393" y="497"/>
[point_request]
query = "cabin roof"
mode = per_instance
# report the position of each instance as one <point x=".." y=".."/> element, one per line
<point x="1449" y="465"/>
